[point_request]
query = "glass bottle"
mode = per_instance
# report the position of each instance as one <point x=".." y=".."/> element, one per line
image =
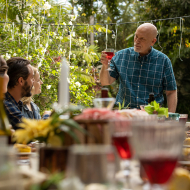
<point x="104" y="93"/>
<point x="5" y="133"/>
<point x="151" y="98"/>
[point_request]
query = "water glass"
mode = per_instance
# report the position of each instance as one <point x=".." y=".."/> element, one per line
<point x="92" y="165"/>
<point x="9" y="176"/>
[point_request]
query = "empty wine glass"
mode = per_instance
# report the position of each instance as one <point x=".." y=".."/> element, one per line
<point x="91" y="166"/>
<point x="157" y="146"/>
<point x="110" y="53"/>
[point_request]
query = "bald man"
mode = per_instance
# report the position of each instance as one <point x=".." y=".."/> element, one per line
<point x="141" y="70"/>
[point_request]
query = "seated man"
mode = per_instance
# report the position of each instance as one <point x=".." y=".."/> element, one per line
<point x="21" y="79"/>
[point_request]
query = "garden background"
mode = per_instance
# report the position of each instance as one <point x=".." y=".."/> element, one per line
<point x="44" y="31"/>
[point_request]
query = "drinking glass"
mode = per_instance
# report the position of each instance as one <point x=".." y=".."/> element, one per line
<point x="183" y="118"/>
<point x="91" y="166"/>
<point x="110" y="54"/>
<point x="9" y="176"/>
<point x="157" y="145"/>
<point x="120" y="133"/>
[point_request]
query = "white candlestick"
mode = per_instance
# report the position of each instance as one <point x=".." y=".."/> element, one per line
<point x="63" y="84"/>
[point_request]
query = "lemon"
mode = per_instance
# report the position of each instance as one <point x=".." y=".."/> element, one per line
<point x="187" y="141"/>
<point x="180" y="180"/>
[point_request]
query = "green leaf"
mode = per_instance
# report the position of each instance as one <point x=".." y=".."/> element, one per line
<point x="123" y="104"/>
<point x="119" y="105"/>
<point x="73" y="135"/>
<point x="73" y="124"/>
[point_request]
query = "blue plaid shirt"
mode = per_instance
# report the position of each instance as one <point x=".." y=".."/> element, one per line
<point x="13" y="110"/>
<point x="140" y="76"/>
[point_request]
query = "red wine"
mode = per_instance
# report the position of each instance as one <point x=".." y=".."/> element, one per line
<point x="109" y="55"/>
<point x="122" y="145"/>
<point x="183" y="120"/>
<point x="159" y="169"/>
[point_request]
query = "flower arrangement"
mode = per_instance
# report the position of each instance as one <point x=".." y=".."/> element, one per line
<point x="51" y="131"/>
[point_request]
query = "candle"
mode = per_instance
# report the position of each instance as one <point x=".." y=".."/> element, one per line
<point x="63" y="84"/>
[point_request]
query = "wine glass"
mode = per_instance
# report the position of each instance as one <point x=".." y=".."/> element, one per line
<point x="120" y="133"/>
<point x="91" y="166"/>
<point x="183" y="118"/>
<point x="110" y="53"/>
<point x="157" y="145"/>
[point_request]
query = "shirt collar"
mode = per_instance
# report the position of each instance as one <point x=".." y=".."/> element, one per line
<point x="9" y="96"/>
<point x="146" y="56"/>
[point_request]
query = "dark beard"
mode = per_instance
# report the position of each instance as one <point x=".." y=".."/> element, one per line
<point x="26" y="90"/>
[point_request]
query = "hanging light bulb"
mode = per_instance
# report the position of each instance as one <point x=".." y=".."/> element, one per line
<point x="75" y="1"/>
<point x="113" y="34"/>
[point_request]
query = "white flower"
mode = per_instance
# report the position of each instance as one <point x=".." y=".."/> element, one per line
<point x="93" y="53"/>
<point x="47" y="6"/>
<point x="84" y="61"/>
<point x="70" y="23"/>
<point x="79" y="8"/>
<point x="25" y="12"/>
<point x="99" y="30"/>
<point x="64" y="23"/>
<point x="60" y="49"/>
<point x="78" y="84"/>
<point x="73" y="34"/>
<point x="48" y="86"/>
<point x="8" y="56"/>
<point x="96" y="41"/>
<point x="29" y="57"/>
<point x="39" y="65"/>
<point x="17" y="18"/>
<point x="41" y="45"/>
<point x="14" y="54"/>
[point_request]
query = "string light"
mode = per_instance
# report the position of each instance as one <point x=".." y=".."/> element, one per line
<point x="113" y="34"/>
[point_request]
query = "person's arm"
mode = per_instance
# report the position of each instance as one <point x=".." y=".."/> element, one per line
<point x="172" y="100"/>
<point x="14" y="114"/>
<point x="105" y="78"/>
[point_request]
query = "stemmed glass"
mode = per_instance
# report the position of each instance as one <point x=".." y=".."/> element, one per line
<point x="120" y="133"/>
<point x="110" y="53"/>
<point x="91" y="166"/>
<point x="157" y="146"/>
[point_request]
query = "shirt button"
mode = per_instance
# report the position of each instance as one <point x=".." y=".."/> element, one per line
<point x="141" y="65"/>
<point x="137" y="97"/>
<point x="139" y="75"/>
<point x="138" y="86"/>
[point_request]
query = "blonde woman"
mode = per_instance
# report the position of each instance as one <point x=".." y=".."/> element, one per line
<point x="30" y="109"/>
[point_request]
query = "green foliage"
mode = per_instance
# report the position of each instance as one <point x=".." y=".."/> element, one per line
<point x="45" y="46"/>
<point x="51" y="183"/>
<point x="155" y="107"/>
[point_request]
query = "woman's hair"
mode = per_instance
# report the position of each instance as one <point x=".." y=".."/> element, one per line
<point x="3" y="65"/>
<point x="27" y="100"/>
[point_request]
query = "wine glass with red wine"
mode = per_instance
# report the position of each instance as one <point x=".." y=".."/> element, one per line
<point x="158" y="147"/>
<point x="120" y="133"/>
<point x="110" y="53"/>
<point x="183" y="118"/>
